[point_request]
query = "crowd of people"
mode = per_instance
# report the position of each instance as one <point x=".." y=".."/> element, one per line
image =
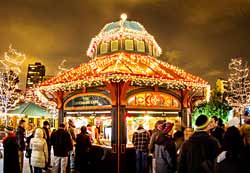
<point x="36" y="143"/>
<point x="210" y="147"/>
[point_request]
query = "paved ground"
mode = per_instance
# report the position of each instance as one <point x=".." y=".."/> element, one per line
<point x="25" y="167"/>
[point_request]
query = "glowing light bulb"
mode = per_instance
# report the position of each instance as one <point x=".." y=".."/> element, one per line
<point x="123" y="16"/>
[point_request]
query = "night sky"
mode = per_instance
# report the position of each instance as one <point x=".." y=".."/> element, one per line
<point x="200" y="36"/>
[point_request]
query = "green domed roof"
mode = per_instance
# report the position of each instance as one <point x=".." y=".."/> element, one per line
<point x="127" y="24"/>
<point x="122" y="30"/>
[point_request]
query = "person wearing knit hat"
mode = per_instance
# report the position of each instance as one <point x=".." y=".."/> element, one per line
<point x="10" y="160"/>
<point x="199" y="149"/>
<point x="202" y="122"/>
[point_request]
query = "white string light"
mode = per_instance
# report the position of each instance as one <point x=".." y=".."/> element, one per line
<point x="9" y="80"/>
<point x="238" y="85"/>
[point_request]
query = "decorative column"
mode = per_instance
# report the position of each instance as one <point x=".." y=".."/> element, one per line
<point x="59" y="100"/>
<point x="185" y="110"/>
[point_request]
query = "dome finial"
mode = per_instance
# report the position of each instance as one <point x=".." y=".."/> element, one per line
<point x="123" y="16"/>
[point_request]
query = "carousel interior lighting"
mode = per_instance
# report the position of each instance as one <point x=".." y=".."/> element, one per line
<point x="89" y="112"/>
<point x="151" y="112"/>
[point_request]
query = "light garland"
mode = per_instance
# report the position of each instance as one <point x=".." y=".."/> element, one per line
<point x="35" y="96"/>
<point x="108" y="34"/>
<point x="13" y="60"/>
<point x="141" y="70"/>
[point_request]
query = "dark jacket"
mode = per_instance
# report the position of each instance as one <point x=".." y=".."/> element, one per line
<point x="83" y="144"/>
<point x="10" y="160"/>
<point x="47" y="137"/>
<point x="245" y="158"/>
<point x="197" y="149"/>
<point x="228" y="163"/>
<point x="152" y="142"/>
<point x="83" y="155"/>
<point x="218" y="133"/>
<point x="20" y="135"/>
<point x="61" y="142"/>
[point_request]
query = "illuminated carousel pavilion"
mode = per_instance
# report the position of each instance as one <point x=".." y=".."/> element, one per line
<point x="122" y="86"/>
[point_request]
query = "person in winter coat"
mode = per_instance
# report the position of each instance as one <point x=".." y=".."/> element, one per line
<point x="39" y="154"/>
<point x="141" y="140"/>
<point x="62" y="144"/>
<point x="198" y="153"/>
<point x="229" y="159"/>
<point x="165" y="151"/>
<point x="83" y="145"/>
<point x="10" y="160"/>
<point x="20" y="135"/>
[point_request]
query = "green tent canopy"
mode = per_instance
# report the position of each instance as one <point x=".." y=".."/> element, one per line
<point x="30" y="109"/>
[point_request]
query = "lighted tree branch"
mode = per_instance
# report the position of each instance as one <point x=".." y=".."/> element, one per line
<point x="9" y="80"/>
<point x="238" y="85"/>
<point x="62" y="67"/>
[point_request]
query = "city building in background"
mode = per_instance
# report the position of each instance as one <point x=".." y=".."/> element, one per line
<point x="35" y="74"/>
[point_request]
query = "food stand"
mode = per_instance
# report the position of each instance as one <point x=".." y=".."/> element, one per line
<point x="124" y="85"/>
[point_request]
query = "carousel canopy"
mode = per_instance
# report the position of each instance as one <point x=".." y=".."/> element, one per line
<point x="138" y="64"/>
<point x="30" y="109"/>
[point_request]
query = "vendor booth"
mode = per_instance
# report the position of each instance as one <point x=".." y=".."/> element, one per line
<point x="32" y="113"/>
<point x="122" y="86"/>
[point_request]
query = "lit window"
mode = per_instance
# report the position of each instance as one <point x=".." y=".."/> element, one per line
<point x="114" y="46"/>
<point x="104" y="48"/>
<point x="129" y="45"/>
<point x="140" y="46"/>
<point x="154" y="52"/>
<point x="150" y="50"/>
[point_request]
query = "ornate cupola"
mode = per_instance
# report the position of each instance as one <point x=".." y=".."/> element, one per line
<point x="123" y="36"/>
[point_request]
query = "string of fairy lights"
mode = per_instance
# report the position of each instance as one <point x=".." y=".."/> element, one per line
<point x="238" y="83"/>
<point x="9" y="79"/>
<point x="141" y="70"/>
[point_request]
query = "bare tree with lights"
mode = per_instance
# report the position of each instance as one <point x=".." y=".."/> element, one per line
<point x="9" y="80"/>
<point x="238" y="90"/>
<point x="62" y="67"/>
